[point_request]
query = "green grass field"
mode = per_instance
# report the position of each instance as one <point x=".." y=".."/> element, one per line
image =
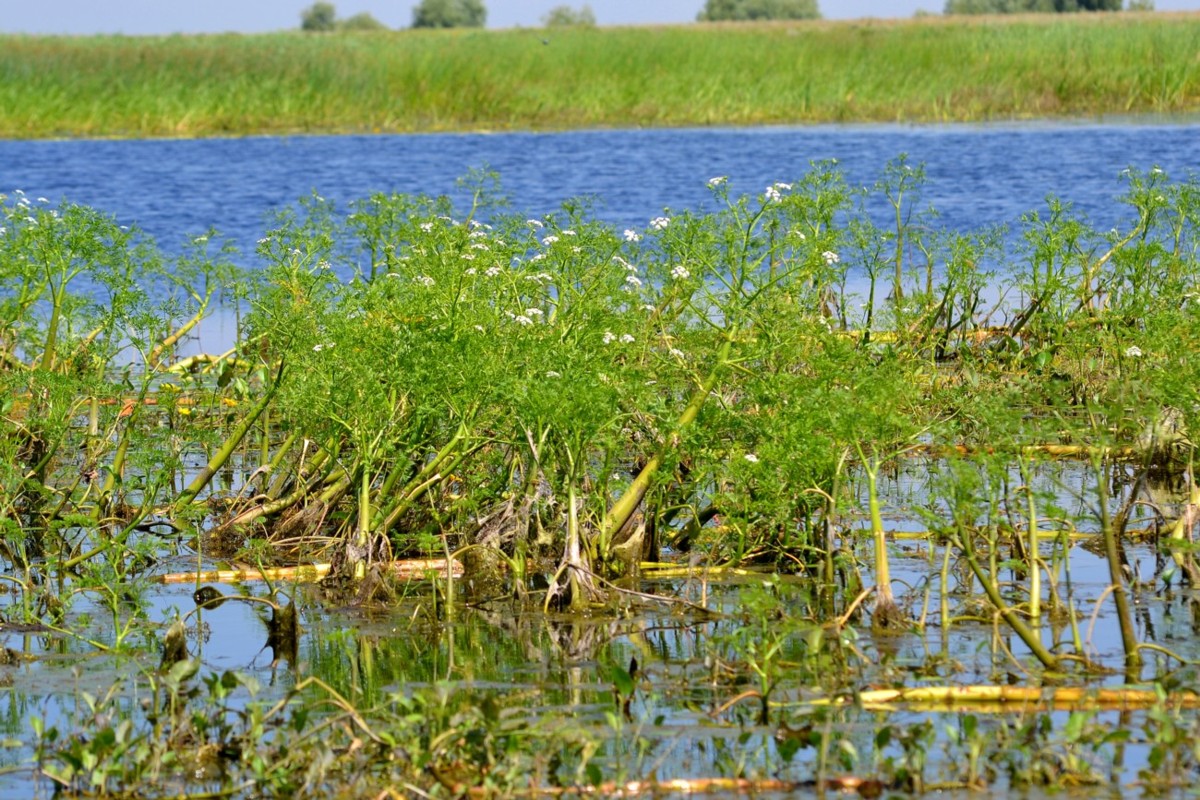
<point x="929" y="70"/>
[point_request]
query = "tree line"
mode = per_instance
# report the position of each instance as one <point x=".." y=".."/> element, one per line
<point x="322" y="16"/>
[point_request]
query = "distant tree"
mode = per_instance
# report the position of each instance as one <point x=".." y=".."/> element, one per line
<point x="743" y="10"/>
<point x="361" y="22"/>
<point x="449" y="14"/>
<point x="318" y="17"/>
<point x="567" y="17"/>
<point x="1140" y="5"/>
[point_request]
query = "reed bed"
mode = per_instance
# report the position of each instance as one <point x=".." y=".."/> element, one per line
<point x="926" y="70"/>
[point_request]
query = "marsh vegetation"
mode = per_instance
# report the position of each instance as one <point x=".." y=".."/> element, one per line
<point x="1040" y="66"/>
<point x="733" y="471"/>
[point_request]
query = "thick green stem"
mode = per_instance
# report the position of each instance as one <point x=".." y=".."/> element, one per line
<point x="362" y="538"/>
<point x="628" y="503"/>
<point x="227" y="449"/>
<point x="883" y="575"/>
<point x="1011" y="618"/>
<point x="1116" y="576"/>
<point x="1034" y="565"/>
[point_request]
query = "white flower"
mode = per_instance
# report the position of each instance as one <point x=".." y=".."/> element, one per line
<point x="427" y="226"/>
<point x="632" y="282"/>
<point x="522" y="320"/>
<point x="567" y="232"/>
<point x="680" y="273"/>
<point x="533" y="312"/>
<point x="609" y="337"/>
<point x="264" y="240"/>
<point x="552" y="374"/>
<point x="323" y="265"/>
<point x="650" y="307"/>
<point x="319" y="347"/>
<point x="470" y="271"/>
<point x="632" y="236"/>
<point x="659" y="223"/>
<point x="480" y="328"/>
<point x="1133" y="351"/>
<point x="677" y="353"/>
<point x="717" y="181"/>
<point x="425" y="280"/>
<point x="753" y="459"/>
<point x="549" y="240"/>
<point x="392" y="275"/>
<point x="799" y="234"/>
<point x="627" y="338"/>
<point x="830" y="257"/>
<point x="468" y="256"/>
<point x="536" y="224"/>
<point x="492" y="272"/>
<point x="479" y="246"/>
<point x="537" y="257"/>
<point x="45" y="200"/>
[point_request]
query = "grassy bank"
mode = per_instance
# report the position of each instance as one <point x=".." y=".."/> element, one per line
<point x="917" y="70"/>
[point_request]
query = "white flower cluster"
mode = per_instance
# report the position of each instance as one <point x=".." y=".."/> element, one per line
<point x="680" y="273"/>
<point x="624" y="338"/>
<point x="830" y="257"/>
<point x="660" y="223"/>
<point x="774" y="192"/>
<point x="632" y="236"/>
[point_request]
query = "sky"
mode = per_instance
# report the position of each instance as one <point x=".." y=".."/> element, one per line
<point x="137" y="17"/>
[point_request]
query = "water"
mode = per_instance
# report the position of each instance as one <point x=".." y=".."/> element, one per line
<point x="977" y="174"/>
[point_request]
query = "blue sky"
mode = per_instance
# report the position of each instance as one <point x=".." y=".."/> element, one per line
<point x="215" y="16"/>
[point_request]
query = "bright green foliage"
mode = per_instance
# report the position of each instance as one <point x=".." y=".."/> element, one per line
<point x="449" y="14"/>
<point x="745" y="10"/>
<point x="361" y="22"/>
<point x="703" y="75"/>
<point x="319" y="17"/>
<point x="568" y="17"/>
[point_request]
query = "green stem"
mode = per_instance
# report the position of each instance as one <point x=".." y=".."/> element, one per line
<point x="226" y="450"/>
<point x="1116" y="576"/>
<point x="1023" y="631"/>
<point x="627" y="504"/>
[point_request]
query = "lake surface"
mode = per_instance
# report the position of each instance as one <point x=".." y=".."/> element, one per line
<point x="977" y="175"/>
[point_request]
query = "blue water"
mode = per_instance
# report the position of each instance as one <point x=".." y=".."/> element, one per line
<point x="977" y="175"/>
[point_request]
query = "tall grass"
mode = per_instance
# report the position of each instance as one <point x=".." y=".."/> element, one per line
<point x="919" y="70"/>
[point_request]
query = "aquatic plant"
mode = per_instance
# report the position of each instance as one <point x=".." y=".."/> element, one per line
<point x="541" y="409"/>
